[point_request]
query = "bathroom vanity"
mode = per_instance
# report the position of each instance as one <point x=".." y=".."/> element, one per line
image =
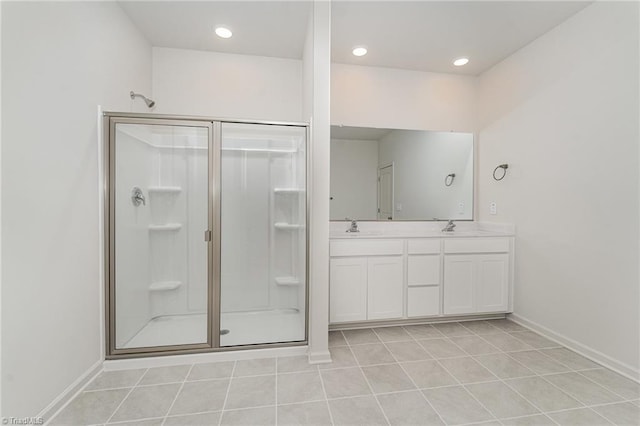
<point x="407" y="271"/>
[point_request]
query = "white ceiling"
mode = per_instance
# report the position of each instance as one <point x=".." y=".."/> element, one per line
<point x="415" y="35"/>
<point x="429" y="35"/>
<point x="264" y="28"/>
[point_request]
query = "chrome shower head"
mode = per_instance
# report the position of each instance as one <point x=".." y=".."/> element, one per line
<point x="150" y="103"/>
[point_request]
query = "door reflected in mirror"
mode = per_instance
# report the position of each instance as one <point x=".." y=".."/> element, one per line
<point x="396" y="174"/>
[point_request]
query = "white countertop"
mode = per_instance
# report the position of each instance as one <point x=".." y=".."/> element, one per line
<point x="467" y="229"/>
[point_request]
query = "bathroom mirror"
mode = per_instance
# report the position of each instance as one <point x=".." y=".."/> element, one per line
<point x="396" y="174"/>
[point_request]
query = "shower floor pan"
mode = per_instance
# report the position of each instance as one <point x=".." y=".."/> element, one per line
<point x="245" y="328"/>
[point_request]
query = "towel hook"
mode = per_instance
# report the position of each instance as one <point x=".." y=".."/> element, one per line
<point x="504" y="168"/>
<point x="448" y="181"/>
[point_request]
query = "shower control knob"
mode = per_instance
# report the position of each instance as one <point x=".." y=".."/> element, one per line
<point x="137" y="197"/>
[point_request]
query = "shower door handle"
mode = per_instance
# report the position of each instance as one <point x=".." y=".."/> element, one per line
<point x="207" y="235"/>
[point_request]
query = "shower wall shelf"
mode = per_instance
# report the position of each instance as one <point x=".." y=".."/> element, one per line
<point x="288" y="226"/>
<point x="165" y="189"/>
<point x="259" y="150"/>
<point x="166" y="227"/>
<point x="164" y="286"/>
<point x="287" y="281"/>
<point x="288" y="190"/>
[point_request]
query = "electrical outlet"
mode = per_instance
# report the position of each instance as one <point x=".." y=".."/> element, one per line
<point x="461" y="207"/>
<point x="493" y="208"/>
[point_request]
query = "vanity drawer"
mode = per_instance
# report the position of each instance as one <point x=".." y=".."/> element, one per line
<point x="365" y="248"/>
<point x="426" y="246"/>
<point x="476" y="245"/>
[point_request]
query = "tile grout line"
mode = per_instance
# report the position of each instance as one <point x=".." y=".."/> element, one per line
<point x="367" y="380"/>
<point x="413" y="338"/>
<point x="540" y="411"/>
<point x="588" y="408"/>
<point x="571" y="369"/>
<point x="224" y="403"/>
<point x="177" y="395"/>
<point x="409" y="376"/>
<point x="524" y="377"/>
<point x="530" y="348"/>
<point x="604" y="416"/>
<point x="447" y="338"/>
<point x="324" y="390"/>
<point x="535" y="374"/>
<point x="584" y="405"/>
<point x="127" y="421"/>
<point x="599" y="384"/>
<point x="507" y="385"/>
<point x="450" y="339"/>
<point x="127" y="396"/>
<point x="192" y="381"/>
<point x="544" y="377"/>
<point x="462" y="385"/>
<point x="515" y="333"/>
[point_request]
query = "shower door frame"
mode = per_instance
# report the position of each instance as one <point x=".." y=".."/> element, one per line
<point x="214" y="126"/>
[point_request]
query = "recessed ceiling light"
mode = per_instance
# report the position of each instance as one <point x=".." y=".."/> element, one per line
<point x="359" y="51"/>
<point x="460" y="62"/>
<point x="223" y="32"/>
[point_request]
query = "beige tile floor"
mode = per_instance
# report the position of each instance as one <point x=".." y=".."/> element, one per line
<point x="482" y="372"/>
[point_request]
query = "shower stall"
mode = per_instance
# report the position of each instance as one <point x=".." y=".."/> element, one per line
<point x="206" y="236"/>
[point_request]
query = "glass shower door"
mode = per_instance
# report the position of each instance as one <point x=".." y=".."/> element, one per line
<point x="160" y="283"/>
<point x="263" y="234"/>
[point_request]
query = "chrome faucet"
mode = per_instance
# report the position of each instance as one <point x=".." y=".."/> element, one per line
<point x="449" y="226"/>
<point x="354" y="226"/>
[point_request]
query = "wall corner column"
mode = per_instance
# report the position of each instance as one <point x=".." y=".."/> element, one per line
<point x="319" y="215"/>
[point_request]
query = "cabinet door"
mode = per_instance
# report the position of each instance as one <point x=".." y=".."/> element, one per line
<point x="423" y="301"/>
<point x="492" y="289"/>
<point x="423" y="269"/>
<point x="384" y="287"/>
<point x="348" y="289"/>
<point x="459" y="284"/>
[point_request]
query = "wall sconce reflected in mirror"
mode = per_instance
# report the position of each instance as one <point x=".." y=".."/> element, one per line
<point x="499" y="175"/>
<point x="448" y="181"/>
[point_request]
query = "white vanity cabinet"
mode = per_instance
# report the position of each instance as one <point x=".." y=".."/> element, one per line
<point x="476" y="276"/>
<point x="407" y="278"/>
<point x="366" y="280"/>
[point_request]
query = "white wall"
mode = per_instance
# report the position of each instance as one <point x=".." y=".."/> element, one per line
<point x="190" y="82"/>
<point x="354" y="179"/>
<point x="399" y="99"/>
<point x="60" y="60"/>
<point x="421" y="162"/>
<point x="563" y="112"/>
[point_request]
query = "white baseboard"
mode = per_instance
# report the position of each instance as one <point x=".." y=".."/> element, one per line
<point x="70" y="392"/>
<point x="590" y="353"/>
<point x="319" y="357"/>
